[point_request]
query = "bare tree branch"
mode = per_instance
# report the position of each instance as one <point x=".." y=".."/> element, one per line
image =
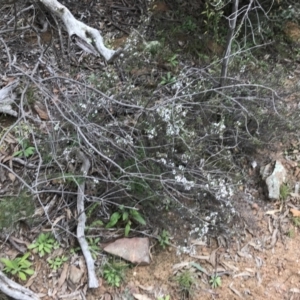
<point x="15" y="290"/>
<point x="232" y="26"/>
<point x="86" y="37"/>
<point x="93" y="282"/>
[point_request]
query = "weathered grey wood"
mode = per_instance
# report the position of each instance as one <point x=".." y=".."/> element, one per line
<point x="7" y="97"/>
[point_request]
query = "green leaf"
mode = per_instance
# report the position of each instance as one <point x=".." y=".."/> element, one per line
<point x="47" y="249"/>
<point x="32" y="246"/>
<point x="127" y="229"/>
<point x="22" y="275"/>
<point x="137" y="217"/>
<point x="125" y="216"/>
<point x="7" y="262"/>
<point x="25" y="256"/>
<point x="29" y="271"/>
<point x="114" y="218"/>
<point x="198" y="267"/>
<point x="29" y="151"/>
<point x="18" y="153"/>
<point x="25" y="264"/>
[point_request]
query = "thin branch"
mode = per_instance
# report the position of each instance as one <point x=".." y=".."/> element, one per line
<point x="93" y="281"/>
<point x="232" y="26"/>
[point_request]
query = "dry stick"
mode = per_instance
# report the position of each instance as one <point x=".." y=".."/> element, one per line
<point x="15" y="290"/>
<point x="83" y="33"/>
<point x="232" y="26"/>
<point x="93" y="281"/>
<point x="7" y="97"/>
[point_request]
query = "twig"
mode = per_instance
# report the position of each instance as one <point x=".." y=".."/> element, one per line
<point x="93" y="282"/>
<point x="232" y="25"/>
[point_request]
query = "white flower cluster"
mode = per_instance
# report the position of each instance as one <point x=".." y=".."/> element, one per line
<point x="151" y="133"/>
<point x="128" y="140"/>
<point x="218" y="128"/>
<point x="223" y="190"/>
<point x="186" y="183"/>
<point x="82" y="105"/>
<point x="174" y="117"/>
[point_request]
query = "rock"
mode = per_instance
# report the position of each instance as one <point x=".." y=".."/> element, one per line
<point x="274" y="176"/>
<point x="135" y="250"/>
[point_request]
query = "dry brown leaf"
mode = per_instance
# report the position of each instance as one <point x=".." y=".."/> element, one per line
<point x="8" y="158"/>
<point x="63" y="275"/>
<point x="41" y="111"/>
<point x="235" y="290"/>
<point x="141" y="297"/>
<point x="295" y="290"/>
<point x="181" y="265"/>
<point x="31" y="280"/>
<point x="146" y="288"/>
<point x="201" y="257"/>
<point x="107" y="296"/>
<point x="68" y="213"/>
<point x="213" y="257"/>
<point x="243" y="274"/>
<point x="12" y="177"/>
<point x="57" y="220"/>
<point x="295" y="212"/>
<point x="244" y="254"/>
<point x="272" y="212"/>
<point x="10" y="139"/>
<point x="229" y="266"/>
<point x="198" y="243"/>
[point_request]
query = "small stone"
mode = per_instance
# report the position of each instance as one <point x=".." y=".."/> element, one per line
<point x="135" y="250"/>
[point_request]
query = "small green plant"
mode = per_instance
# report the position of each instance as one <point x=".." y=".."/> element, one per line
<point x="296" y="221"/>
<point x="186" y="281"/>
<point x="94" y="224"/>
<point x="19" y="266"/>
<point x="57" y="262"/>
<point x="26" y="149"/>
<point x="93" y="246"/>
<point x="164" y="239"/>
<point x="284" y="191"/>
<point x="94" y="207"/>
<point x="173" y="60"/>
<point x="213" y="14"/>
<point x="215" y="281"/>
<point x="189" y="25"/>
<point x="152" y="47"/>
<point x="114" y="273"/>
<point x="291" y="233"/>
<point x="126" y="216"/>
<point x="73" y="251"/>
<point x="164" y="298"/>
<point x="45" y="243"/>
<point x="168" y="79"/>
